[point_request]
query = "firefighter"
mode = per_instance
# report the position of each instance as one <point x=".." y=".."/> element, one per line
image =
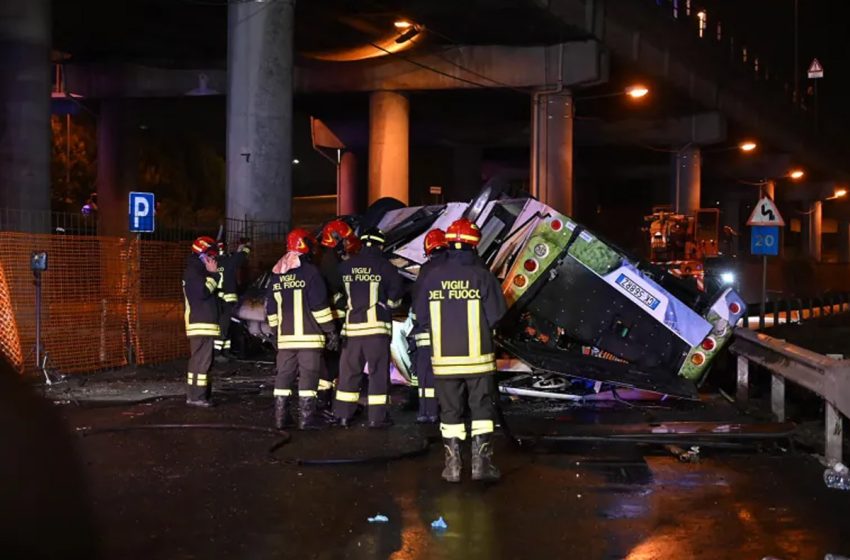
<point x="228" y="266"/>
<point x="200" y="283"/>
<point x="297" y="307"/>
<point x="335" y="240"/>
<point x="435" y="246"/>
<point x="373" y="287"/>
<point x="459" y="302"/>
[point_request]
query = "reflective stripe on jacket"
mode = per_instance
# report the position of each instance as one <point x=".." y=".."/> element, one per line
<point x="297" y="308"/>
<point x="228" y="267"/>
<point x="199" y="289"/>
<point x="372" y="288"/>
<point x="459" y="303"/>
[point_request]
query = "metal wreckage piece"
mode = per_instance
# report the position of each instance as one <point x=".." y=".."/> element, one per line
<point x="584" y="317"/>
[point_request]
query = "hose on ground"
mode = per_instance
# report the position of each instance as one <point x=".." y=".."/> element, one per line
<point x="369" y="460"/>
<point x="285" y="437"/>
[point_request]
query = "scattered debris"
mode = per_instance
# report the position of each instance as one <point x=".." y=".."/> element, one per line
<point x="439" y="524"/>
<point x="685" y="456"/>
<point x="838" y="477"/>
<point x="380" y="518"/>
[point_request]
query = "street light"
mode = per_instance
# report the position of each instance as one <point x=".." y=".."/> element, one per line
<point x="838" y="193"/>
<point x="747" y="146"/>
<point x="797" y="174"/>
<point x="637" y="91"/>
<point x="402" y="24"/>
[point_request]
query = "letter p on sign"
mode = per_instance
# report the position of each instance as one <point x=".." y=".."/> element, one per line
<point x="141" y="212"/>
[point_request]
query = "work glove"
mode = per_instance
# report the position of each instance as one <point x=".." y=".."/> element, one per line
<point x="333" y="342"/>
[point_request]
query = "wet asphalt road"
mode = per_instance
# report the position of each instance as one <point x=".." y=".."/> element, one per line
<point x="210" y="494"/>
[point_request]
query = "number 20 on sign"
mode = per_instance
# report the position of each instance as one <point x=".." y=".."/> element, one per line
<point x="764" y="240"/>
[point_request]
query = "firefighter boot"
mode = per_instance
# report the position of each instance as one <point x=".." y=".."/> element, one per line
<point x="282" y="416"/>
<point x="482" y="459"/>
<point x="451" y="472"/>
<point x="309" y="418"/>
<point x="325" y="400"/>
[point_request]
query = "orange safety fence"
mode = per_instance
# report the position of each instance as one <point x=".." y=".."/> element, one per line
<point x="106" y="302"/>
<point x="83" y="303"/>
<point x="10" y="340"/>
<point x="155" y="302"/>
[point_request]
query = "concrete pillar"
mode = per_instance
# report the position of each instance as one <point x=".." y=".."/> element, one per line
<point x="259" y="110"/>
<point x="346" y="202"/>
<point x="552" y="150"/>
<point x="844" y="241"/>
<point x="389" y="153"/>
<point x="466" y="183"/>
<point x="25" y="86"/>
<point x="117" y="165"/>
<point x="813" y="223"/>
<point x="687" y="168"/>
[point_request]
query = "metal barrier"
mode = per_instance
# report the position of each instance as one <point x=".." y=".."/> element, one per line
<point x="796" y="310"/>
<point x="827" y="377"/>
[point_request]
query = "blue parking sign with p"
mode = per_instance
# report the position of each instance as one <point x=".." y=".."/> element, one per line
<point x="141" y="212"/>
<point x="764" y="240"/>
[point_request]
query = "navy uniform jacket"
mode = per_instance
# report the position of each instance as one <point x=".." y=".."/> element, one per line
<point x="372" y="288"/>
<point x="329" y="267"/>
<point x="419" y="333"/>
<point x="228" y="266"/>
<point x="297" y="307"/>
<point x="201" y="308"/>
<point x="459" y="303"/>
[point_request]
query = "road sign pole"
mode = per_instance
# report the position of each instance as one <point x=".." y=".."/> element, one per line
<point x="763" y="291"/>
<point x="817" y="115"/>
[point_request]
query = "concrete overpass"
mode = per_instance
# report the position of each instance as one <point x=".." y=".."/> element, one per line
<point x="554" y="52"/>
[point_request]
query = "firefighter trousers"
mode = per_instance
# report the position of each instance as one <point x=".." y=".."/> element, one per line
<point x="425" y="376"/>
<point x="225" y="312"/>
<point x="357" y="351"/>
<point x="198" y="385"/>
<point x="456" y="393"/>
<point x="330" y="370"/>
<point x="304" y="364"/>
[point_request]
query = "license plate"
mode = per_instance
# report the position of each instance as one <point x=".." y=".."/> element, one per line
<point x="637" y="292"/>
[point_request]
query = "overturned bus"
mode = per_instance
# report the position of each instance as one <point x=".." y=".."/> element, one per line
<point x="579" y="308"/>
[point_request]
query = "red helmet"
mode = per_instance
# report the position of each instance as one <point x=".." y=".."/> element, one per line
<point x="463" y="231"/>
<point x="300" y="241"/>
<point x="334" y="232"/>
<point x="203" y="244"/>
<point x="435" y="239"/>
<point x="351" y="245"/>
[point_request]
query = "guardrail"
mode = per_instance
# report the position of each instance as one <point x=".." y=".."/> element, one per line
<point x="827" y="377"/>
<point x="796" y="310"/>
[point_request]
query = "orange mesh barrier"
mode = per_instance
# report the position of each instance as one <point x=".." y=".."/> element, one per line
<point x="106" y="302"/>
<point x="83" y="304"/>
<point x="158" y="328"/>
<point x="10" y="341"/>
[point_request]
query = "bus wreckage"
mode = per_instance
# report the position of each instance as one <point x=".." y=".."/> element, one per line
<point x="583" y="316"/>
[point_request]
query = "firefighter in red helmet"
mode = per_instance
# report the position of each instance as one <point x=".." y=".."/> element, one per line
<point x="435" y="246"/>
<point x="298" y="311"/>
<point x="458" y="303"/>
<point x="373" y="288"/>
<point x="338" y="242"/>
<point x="200" y="283"/>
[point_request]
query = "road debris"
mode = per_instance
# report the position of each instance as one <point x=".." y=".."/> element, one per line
<point x="439" y="524"/>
